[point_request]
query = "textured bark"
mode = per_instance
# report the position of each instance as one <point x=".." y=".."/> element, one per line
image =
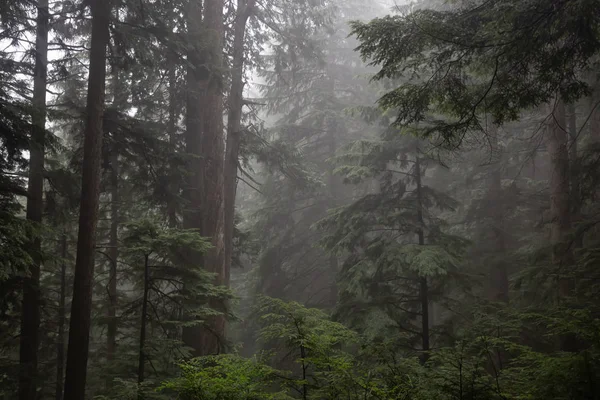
<point x="234" y="127"/>
<point x="77" y="354"/>
<point x="557" y="143"/>
<point x="204" y="143"/>
<point x="30" y="317"/>
<point x="62" y="312"/>
<point x="423" y="289"/>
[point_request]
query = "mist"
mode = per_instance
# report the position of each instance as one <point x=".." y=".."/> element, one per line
<point x="299" y="199"/>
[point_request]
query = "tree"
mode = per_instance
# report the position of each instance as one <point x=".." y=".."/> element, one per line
<point x="77" y="355"/>
<point x="30" y="315"/>
<point x="234" y="128"/>
<point x="521" y="58"/>
<point x="204" y="145"/>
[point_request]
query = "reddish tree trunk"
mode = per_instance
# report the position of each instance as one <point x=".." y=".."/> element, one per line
<point x="30" y="317"/>
<point x="204" y="144"/>
<point x="77" y="354"/>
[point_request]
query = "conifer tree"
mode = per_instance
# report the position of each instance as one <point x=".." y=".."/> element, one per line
<point x="77" y="355"/>
<point x="30" y="315"/>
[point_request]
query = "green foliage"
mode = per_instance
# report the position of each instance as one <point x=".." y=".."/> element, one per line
<point x="465" y="61"/>
<point x="301" y="327"/>
<point x="224" y="377"/>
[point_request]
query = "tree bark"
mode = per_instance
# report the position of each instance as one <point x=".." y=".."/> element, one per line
<point x="77" y="354"/>
<point x="234" y="127"/>
<point x="204" y="144"/>
<point x="423" y="285"/>
<point x="557" y="143"/>
<point x="30" y="317"/>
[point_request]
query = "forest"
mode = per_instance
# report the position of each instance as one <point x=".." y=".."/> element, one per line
<point x="300" y="199"/>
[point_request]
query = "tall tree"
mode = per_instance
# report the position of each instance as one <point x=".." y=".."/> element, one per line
<point x="234" y="127"/>
<point x="205" y="147"/>
<point x="30" y="316"/>
<point x="77" y="354"/>
<point x="560" y="211"/>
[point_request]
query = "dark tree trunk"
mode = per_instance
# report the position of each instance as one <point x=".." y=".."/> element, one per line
<point x="62" y="312"/>
<point x="204" y="144"/>
<point x="142" y="355"/>
<point x="559" y="193"/>
<point x="558" y="140"/>
<point x="234" y="127"/>
<point x="77" y="354"/>
<point x="30" y="317"/>
<point x="423" y="287"/>
<point x="574" y="172"/>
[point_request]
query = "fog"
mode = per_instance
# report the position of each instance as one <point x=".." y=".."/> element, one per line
<point x="299" y="199"/>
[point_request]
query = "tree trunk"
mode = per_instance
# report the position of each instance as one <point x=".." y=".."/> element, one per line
<point x="193" y="121"/>
<point x="558" y="139"/>
<point x="204" y="144"/>
<point x="574" y="172"/>
<point x="62" y="312"/>
<point x="559" y="193"/>
<point x="234" y="127"/>
<point x="423" y="289"/>
<point x="30" y="317"/>
<point x="77" y="354"/>
<point x="142" y="355"/>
